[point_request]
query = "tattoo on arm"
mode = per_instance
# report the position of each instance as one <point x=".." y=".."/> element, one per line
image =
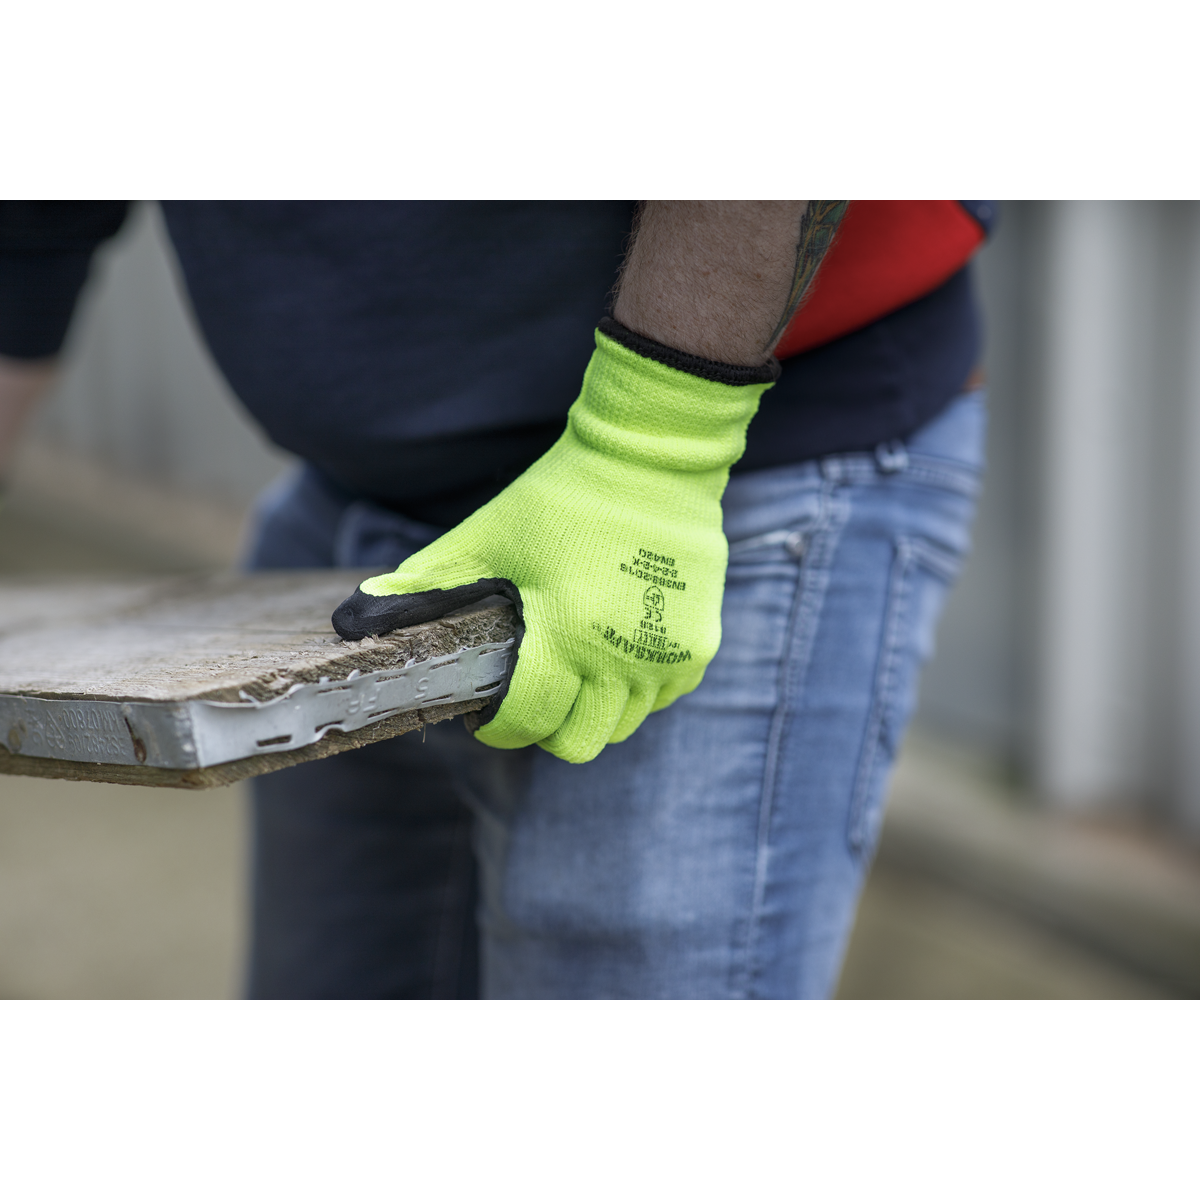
<point x="817" y="227"/>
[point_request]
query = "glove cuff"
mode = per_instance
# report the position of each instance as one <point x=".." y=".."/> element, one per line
<point x="637" y="408"/>
<point x="693" y="364"/>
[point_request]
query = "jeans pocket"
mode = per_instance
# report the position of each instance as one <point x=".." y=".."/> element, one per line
<point x="779" y="545"/>
<point x="921" y="576"/>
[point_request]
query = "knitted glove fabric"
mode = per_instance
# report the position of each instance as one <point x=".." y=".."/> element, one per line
<point x="610" y="546"/>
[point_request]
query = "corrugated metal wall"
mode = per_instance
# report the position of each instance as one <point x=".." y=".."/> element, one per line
<point x="1072" y="649"/>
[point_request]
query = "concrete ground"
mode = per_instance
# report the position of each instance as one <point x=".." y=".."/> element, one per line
<point x="124" y="892"/>
<point x="916" y="939"/>
<point x="119" y="892"/>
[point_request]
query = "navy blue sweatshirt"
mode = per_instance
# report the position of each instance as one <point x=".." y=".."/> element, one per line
<point x="423" y="354"/>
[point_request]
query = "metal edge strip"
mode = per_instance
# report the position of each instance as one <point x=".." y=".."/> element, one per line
<point x="204" y="733"/>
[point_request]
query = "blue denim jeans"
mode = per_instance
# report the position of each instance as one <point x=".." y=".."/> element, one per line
<point x="719" y="852"/>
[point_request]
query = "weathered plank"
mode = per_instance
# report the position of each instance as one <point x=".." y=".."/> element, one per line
<point x="234" y="647"/>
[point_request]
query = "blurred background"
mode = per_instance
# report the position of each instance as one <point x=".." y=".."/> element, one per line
<point x="1043" y="833"/>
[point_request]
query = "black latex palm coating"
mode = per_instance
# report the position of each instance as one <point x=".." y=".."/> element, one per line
<point x="360" y="614"/>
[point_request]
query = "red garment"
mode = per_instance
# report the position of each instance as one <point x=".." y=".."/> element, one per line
<point x="886" y="254"/>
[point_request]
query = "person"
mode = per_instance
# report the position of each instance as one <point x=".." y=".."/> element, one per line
<point x="728" y="571"/>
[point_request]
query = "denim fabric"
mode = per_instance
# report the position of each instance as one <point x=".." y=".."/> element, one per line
<point x="719" y="852"/>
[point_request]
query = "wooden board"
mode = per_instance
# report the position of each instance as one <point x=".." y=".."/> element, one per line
<point x="208" y="637"/>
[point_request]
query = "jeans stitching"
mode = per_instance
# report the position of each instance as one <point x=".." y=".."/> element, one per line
<point x="812" y="581"/>
<point x="911" y="553"/>
<point x="898" y="589"/>
<point x="940" y="473"/>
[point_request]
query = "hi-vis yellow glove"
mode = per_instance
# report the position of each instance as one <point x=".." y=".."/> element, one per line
<point x="610" y="546"/>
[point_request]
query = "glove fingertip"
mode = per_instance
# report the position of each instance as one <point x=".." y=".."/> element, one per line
<point x="576" y="752"/>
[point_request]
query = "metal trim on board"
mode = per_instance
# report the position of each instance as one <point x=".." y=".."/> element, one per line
<point x="203" y="733"/>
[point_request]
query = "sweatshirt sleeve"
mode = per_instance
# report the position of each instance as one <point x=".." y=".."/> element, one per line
<point x="46" y="249"/>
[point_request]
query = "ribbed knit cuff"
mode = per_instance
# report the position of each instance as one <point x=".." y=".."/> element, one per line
<point x="635" y="408"/>
<point x="680" y="360"/>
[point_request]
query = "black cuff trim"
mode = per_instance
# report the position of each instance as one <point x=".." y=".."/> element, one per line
<point x="705" y="368"/>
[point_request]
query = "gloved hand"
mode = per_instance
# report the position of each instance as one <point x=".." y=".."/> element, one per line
<point x="610" y="546"/>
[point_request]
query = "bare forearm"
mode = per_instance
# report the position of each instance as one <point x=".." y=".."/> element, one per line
<point x="22" y="385"/>
<point x="722" y="278"/>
